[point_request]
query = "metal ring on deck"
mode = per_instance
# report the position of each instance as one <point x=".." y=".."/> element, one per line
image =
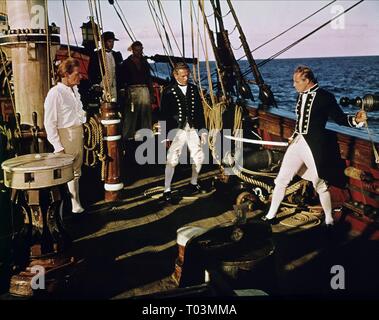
<point x="26" y="38"/>
<point x="109" y="122"/>
<point x="112" y="138"/>
<point x="113" y="186"/>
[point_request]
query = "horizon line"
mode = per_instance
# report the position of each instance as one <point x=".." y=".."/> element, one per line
<point x="321" y="57"/>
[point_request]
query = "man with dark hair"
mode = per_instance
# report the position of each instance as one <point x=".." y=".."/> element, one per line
<point x="139" y="88"/>
<point x="182" y="109"/>
<point x="306" y="153"/>
<point x="112" y="67"/>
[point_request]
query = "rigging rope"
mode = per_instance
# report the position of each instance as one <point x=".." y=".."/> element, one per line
<point x="236" y="49"/>
<point x="126" y="21"/>
<point x="231" y="32"/>
<point x="66" y="25"/>
<point x="223" y="16"/>
<point x="199" y="37"/>
<point x="132" y="37"/>
<point x="101" y="57"/>
<point x="165" y="30"/>
<point x="207" y="61"/>
<point x="262" y="63"/>
<point x="163" y="13"/>
<point x="290" y="28"/>
<point x="285" y="31"/>
<point x="48" y="55"/>
<point x="193" y="44"/>
<point x="182" y="27"/>
<point x="216" y="13"/>
<point x="155" y="20"/>
<point x="205" y="21"/>
<point x="161" y="22"/>
<point x="74" y="36"/>
<point x="100" y="14"/>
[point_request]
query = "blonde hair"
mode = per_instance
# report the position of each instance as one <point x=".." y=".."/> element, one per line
<point x="67" y="66"/>
<point x="306" y="72"/>
<point x="180" y="66"/>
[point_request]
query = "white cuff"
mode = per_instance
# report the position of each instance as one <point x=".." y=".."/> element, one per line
<point x="58" y="148"/>
<point x="356" y="124"/>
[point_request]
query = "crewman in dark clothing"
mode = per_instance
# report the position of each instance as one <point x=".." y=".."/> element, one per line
<point x="139" y="88"/>
<point x="112" y="66"/>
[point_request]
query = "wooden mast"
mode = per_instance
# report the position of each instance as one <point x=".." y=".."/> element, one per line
<point x="110" y="121"/>
<point x="26" y="40"/>
<point x="242" y="87"/>
<point x="29" y="57"/>
<point x="214" y="46"/>
<point x="265" y="93"/>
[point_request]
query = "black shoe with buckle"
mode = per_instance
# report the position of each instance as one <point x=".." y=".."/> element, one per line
<point x="196" y="188"/>
<point x="328" y="226"/>
<point x="78" y="216"/>
<point x="167" y="196"/>
<point x="270" y="221"/>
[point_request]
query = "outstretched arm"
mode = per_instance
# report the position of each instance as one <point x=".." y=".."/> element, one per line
<point x="343" y="119"/>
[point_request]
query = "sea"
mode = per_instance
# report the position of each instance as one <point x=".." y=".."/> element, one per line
<point x="343" y="76"/>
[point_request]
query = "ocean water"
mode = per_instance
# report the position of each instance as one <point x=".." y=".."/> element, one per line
<point x="343" y="76"/>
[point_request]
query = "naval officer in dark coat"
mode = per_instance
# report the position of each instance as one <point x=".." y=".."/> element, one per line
<point x="306" y="154"/>
<point x="182" y="109"/>
<point x="112" y="65"/>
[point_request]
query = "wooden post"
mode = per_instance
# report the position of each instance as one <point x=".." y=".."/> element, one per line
<point x="111" y="122"/>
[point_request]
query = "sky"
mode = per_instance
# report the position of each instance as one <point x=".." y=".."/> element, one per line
<point x="356" y="34"/>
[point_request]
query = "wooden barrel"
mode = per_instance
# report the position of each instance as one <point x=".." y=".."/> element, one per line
<point x="231" y="249"/>
<point x="254" y="245"/>
<point x="35" y="171"/>
<point x="184" y="236"/>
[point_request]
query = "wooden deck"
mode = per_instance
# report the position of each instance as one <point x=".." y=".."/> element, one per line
<point x="128" y="248"/>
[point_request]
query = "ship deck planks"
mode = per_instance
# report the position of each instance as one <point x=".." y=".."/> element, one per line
<point x="128" y="248"/>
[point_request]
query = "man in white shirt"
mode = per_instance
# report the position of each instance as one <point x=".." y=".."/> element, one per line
<point x="63" y="121"/>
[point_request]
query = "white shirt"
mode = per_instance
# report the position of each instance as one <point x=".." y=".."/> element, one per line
<point x="63" y="109"/>
<point x="304" y="97"/>
<point x="183" y="88"/>
<point x="111" y="65"/>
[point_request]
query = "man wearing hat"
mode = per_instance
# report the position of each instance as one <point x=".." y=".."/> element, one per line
<point x="112" y="65"/>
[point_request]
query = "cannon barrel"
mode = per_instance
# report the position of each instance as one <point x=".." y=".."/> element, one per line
<point x="370" y="102"/>
<point x="262" y="159"/>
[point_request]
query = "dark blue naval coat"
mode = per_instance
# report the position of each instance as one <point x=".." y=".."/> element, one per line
<point x="178" y="109"/>
<point x="311" y="120"/>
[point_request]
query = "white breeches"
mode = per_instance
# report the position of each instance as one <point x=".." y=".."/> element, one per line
<point x="299" y="160"/>
<point x="191" y="138"/>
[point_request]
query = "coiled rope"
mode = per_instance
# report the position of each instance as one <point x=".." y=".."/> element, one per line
<point x="94" y="145"/>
